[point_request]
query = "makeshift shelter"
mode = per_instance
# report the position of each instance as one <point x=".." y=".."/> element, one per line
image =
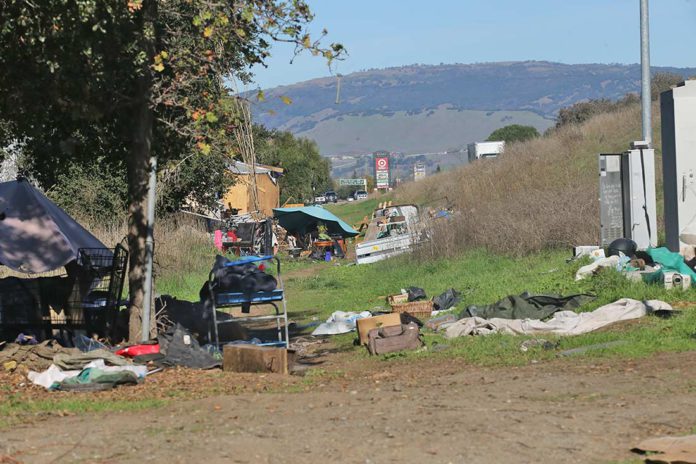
<point x="304" y="219"/>
<point x="37" y="236"/>
<point x="239" y="196"/>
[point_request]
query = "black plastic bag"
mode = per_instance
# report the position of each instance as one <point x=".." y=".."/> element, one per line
<point x="415" y="294"/>
<point x="447" y="300"/>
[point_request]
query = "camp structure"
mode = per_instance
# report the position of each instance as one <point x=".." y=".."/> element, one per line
<point x="239" y="198"/>
<point x="305" y="219"/>
<point x="36" y="237"/>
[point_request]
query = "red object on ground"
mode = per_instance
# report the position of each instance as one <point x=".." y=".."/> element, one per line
<point x="138" y="350"/>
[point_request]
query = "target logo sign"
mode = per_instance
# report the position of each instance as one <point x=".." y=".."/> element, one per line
<point x="382" y="171"/>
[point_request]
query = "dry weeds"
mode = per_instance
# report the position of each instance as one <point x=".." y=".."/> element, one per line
<point x="540" y="194"/>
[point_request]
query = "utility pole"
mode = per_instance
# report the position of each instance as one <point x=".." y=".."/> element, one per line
<point x="149" y="249"/>
<point x="646" y="100"/>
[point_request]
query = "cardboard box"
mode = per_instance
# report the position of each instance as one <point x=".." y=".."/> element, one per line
<point x="369" y="323"/>
<point x="253" y="358"/>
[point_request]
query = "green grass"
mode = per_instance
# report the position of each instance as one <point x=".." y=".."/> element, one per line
<point x="353" y="212"/>
<point x="16" y="408"/>
<point x="484" y="278"/>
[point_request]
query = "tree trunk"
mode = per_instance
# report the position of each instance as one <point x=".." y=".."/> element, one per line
<point x="138" y="166"/>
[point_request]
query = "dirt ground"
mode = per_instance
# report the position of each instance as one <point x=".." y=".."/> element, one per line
<point x="376" y="411"/>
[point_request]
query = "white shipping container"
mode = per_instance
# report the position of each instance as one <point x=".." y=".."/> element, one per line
<point x="480" y="150"/>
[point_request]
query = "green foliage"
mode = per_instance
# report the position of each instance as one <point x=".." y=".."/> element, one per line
<point x="131" y="80"/>
<point x="306" y="172"/>
<point x="513" y="133"/>
<point x="196" y="183"/>
<point x="94" y="192"/>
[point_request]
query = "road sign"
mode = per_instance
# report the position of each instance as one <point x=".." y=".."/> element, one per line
<point x="351" y="182"/>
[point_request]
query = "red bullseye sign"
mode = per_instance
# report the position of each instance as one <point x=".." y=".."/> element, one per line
<point x="382" y="171"/>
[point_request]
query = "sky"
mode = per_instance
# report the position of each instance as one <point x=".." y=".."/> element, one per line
<point x="384" y="33"/>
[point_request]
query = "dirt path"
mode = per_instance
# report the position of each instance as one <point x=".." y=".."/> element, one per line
<point x="395" y="412"/>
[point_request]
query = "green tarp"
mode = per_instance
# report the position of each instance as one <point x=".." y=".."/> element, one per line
<point x="527" y="306"/>
<point x="305" y="219"/>
<point x="671" y="262"/>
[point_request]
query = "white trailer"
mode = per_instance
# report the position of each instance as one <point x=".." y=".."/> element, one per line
<point x="480" y="150"/>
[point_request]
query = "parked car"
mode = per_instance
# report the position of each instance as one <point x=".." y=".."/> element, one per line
<point x="331" y="196"/>
<point x="360" y="195"/>
<point x="319" y="200"/>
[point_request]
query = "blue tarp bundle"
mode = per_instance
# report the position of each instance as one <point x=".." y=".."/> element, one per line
<point x="306" y="218"/>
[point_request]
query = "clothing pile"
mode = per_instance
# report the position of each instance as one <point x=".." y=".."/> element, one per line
<point x="525" y="314"/>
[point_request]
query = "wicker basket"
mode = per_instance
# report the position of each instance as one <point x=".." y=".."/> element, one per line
<point x="420" y="309"/>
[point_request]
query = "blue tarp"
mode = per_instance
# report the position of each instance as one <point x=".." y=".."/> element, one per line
<point x="305" y="219"/>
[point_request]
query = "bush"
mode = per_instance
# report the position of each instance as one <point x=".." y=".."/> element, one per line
<point x="513" y="133"/>
<point x="91" y="192"/>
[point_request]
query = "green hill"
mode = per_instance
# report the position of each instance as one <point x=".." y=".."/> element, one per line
<point x="415" y="109"/>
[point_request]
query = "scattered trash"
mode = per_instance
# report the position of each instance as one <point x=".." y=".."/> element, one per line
<point x="535" y="342"/>
<point x="447" y="300"/>
<point x="340" y="322"/>
<point x="25" y="339"/>
<point x="563" y="322"/>
<point x="438" y="322"/>
<point x="415" y="294"/>
<point x="527" y="306"/>
<point x="84" y="343"/>
<point x="33" y="357"/>
<point x="394" y="338"/>
<point x="139" y="350"/>
<point x="591" y="269"/>
<point x="95" y="372"/>
<point x="78" y="359"/>
<point x="179" y="348"/>
<point x="365" y="325"/>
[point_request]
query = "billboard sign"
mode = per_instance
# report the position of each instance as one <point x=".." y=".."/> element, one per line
<point x="359" y="182"/>
<point x="382" y="171"/>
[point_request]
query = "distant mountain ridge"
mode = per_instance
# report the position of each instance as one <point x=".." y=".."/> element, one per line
<point x="402" y="98"/>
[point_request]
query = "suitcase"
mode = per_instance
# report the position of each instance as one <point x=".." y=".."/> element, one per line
<point x="394" y="338"/>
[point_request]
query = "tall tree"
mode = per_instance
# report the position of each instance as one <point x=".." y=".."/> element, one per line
<point x="132" y="79"/>
<point x="306" y="171"/>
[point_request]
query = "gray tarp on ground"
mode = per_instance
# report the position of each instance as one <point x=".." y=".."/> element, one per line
<point x="35" y="234"/>
<point x="562" y="323"/>
<point x="527" y="306"/>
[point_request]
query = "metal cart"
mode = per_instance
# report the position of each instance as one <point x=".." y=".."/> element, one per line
<point x="221" y="299"/>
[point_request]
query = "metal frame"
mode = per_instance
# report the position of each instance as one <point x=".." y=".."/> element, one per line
<point x="235" y="299"/>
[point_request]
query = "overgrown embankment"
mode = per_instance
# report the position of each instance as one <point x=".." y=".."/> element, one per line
<point x="540" y="194"/>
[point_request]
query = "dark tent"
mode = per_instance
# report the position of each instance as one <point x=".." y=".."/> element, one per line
<point x="35" y="234"/>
